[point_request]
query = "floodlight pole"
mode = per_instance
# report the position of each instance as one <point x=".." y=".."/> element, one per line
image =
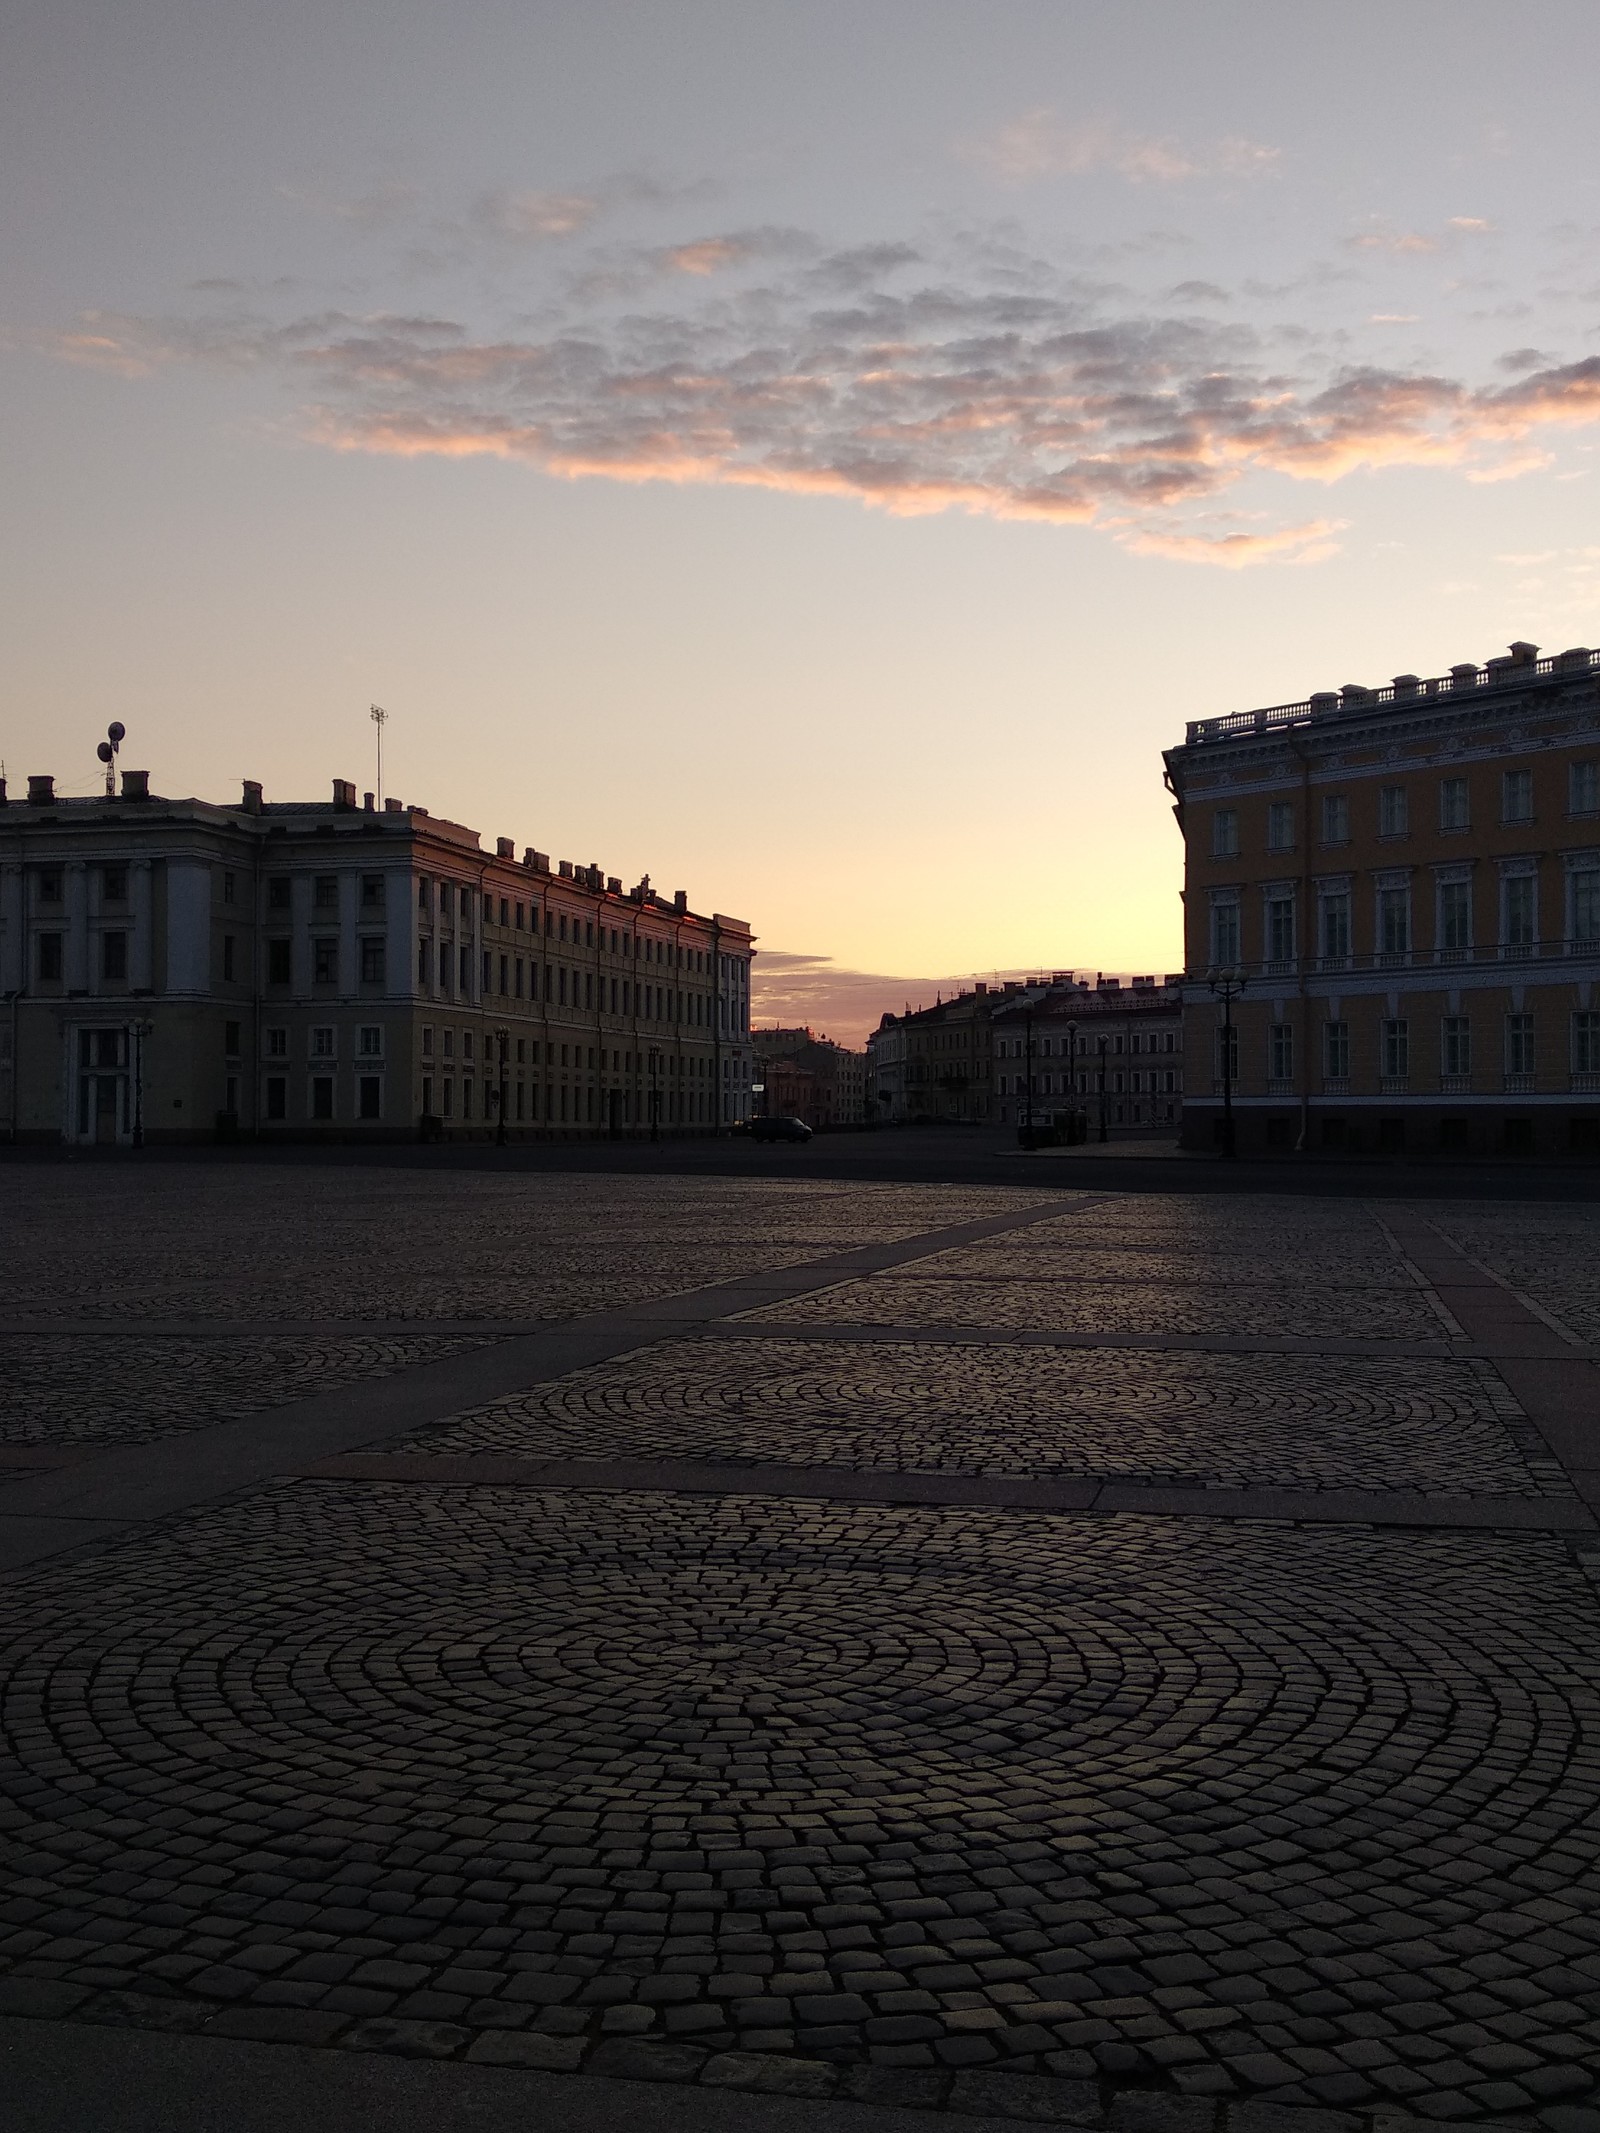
<point x="380" y="718"/>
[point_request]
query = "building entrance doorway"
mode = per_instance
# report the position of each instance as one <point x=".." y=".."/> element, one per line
<point x="104" y="1115"/>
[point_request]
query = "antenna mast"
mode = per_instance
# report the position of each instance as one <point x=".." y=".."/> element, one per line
<point x="380" y="718"/>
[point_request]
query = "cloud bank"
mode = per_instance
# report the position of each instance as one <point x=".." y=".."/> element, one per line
<point x="911" y="379"/>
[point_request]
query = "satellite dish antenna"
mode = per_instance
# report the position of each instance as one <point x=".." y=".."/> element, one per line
<point x="116" y="734"/>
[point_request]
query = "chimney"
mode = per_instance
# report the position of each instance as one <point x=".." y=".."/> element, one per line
<point x="41" y="792"/>
<point x="344" y="794"/>
<point x="2" y="792"/>
<point x="680" y="900"/>
<point x="251" y="803"/>
<point x="369" y="803"/>
<point x="393" y="807"/>
<point x="565" y="869"/>
<point x="136" y="785"/>
<point x="504" y="848"/>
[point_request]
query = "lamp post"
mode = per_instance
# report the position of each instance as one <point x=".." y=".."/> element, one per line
<point x="1100" y="1045"/>
<point x="1226" y="986"/>
<point x="1072" y="1077"/>
<point x="503" y="1039"/>
<point x="655" y="1095"/>
<point x="139" y="1028"/>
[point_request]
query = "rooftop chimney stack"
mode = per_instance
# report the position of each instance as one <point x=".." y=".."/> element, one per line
<point x="136" y="785"/>
<point x="41" y="792"/>
<point x="251" y="803"/>
<point x="344" y="795"/>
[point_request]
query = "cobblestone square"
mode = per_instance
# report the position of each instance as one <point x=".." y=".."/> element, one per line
<point x="1116" y="1817"/>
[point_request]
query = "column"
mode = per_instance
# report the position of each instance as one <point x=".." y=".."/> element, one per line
<point x="13" y="931"/>
<point x="140" y="956"/>
<point x="76" y="962"/>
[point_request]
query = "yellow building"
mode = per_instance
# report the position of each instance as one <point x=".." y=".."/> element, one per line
<point x="1402" y="886"/>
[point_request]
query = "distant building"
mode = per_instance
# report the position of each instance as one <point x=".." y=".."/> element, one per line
<point x="176" y="968"/>
<point x="1113" y="1052"/>
<point x="809" y="1077"/>
<point x="1407" y="882"/>
<point x="964" y="1061"/>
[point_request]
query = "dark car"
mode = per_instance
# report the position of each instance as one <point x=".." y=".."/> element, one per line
<point x="779" y="1129"/>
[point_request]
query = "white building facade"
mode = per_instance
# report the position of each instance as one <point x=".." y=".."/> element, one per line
<point x="176" y="970"/>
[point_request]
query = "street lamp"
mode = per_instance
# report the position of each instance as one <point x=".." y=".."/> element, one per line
<point x="139" y="1028"/>
<point x="1226" y="986"/>
<point x="503" y="1039"/>
<point x="1072" y="1077"/>
<point x="1101" y="1044"/>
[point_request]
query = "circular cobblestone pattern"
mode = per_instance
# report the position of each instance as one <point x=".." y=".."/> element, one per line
<point x="1225" y="1421"/>
<point x="1310" y="1814"/>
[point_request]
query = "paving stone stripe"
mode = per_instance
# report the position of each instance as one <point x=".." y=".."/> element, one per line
<point x="45" y="1513"/>
<point x="1036" y="1492"/>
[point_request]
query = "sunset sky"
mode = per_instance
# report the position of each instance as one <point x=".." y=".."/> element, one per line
<point x="818" y="454"/>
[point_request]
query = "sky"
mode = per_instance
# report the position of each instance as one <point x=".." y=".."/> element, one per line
<point x="818" y="455"/>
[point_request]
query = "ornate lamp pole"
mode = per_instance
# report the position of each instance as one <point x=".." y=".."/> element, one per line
<point x="1226" y="986"/>
<point x="503" y="1039"/>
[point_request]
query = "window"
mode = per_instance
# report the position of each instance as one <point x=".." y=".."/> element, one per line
<point x="113" y="955"/>
<point x="1519" y="1044"/>
<point x="322" y="1043"/>
<point x="449" y="1044"/>
<point x="1583" y="789"/>
<point x="1336" y="1050"/>
<point x="427" y="1095"/>
<point x="114" y="884"/>
<point x="1585" y="905"/>
<point x="1518" y="892"/>
<point x="1455" y="1045"/>
<point x="369" y="1041"/>
<point x="1336" y="926"/>
<point x="1586" y="1041"/>
<point x="1516" y="796"/>
<point x="1455" y="917"/>
<point x="1225" y="934"/>
<point x="505" y="912"/>
<point x="1394" y="814"/>
<point x="227" y="955"/>
<point x="1455" y="806"/>
<point x="49" y="959"/>
<point x="325" y="892"/>
<point x="424" y="962"/>
<point x="229" y="885"/>
<point x="1394" y="922"/>
<point x="1280" y="1051"/>
<point x="372" y="892"/>
<point x="277" y="1044"/>
<point x="466" y="970"/>
<point x="466" y="1098"/>
<point x="466" y="1044"/>
<point x="1280" y="826"/>
<point x="278" y="965"/>
<point x="372" y="960"/>
<point x="369" y="1096"/>
<point x="422" y="892"/>
<point x="1335" y="819"/>
<point x="322" y="1097"/>
<point x="278" y="893"/>
<point x="1280" y="929"/>
<point x="427" y="1041"/>
<point x="1225" y="833"/>
<point x="277" y="1097"/>
<point x="325" y="962"/>
<point x="1396" y="1048"/>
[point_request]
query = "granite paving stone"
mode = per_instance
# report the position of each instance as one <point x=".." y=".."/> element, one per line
<point x="1228" y="1421"/>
